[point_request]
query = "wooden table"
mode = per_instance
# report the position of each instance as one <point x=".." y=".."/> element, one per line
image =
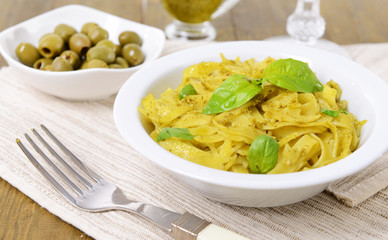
<point x="347" y="22"/>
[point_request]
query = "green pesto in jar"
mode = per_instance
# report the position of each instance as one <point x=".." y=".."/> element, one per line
<point x="191" y="11"/>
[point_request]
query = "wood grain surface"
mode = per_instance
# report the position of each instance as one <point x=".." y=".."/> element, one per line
<point x="347" y="22"/>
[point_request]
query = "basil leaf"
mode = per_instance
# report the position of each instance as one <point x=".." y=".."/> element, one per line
<point x="343" y="111"/>
<point x="333" y="113"/>
<point x="174" y="132"/>
<point x="186" y="91"/>
<point x="263" y="154"/>
<point x="233" y="92"/>
<point x="293" y="75"/>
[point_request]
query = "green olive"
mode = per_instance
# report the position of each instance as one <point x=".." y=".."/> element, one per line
<point x="87" y="27"/>
<point x="101" y="52"/>
<point x="64" y="31"/>
<point x="42" y="63"/>
<point x="108" y="43"/>
<point x="27" y="53"/>
<point x="72" y="57"/>
<point x="61" y="64"/>
<point x="83" y="65"/>
<point x="47" y="68"/>
<point x="118" y="50"/>
<point x="50" y="45"/>
<point x="133" y="54"/>
<point x="79" y="43"/>
<point x="121" y="61"/>
<point x="130" y="37"/>
<point x="96" y="63"/>
<point x="97" y="34"/>
<point x="115" y="65"/>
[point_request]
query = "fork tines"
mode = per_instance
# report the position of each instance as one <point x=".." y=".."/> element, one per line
<point x="84" y="182"/>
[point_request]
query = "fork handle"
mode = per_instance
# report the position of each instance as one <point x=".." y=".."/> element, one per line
<point x="191" y="227"/>
<point x="163" y="217"/>
<point x="212" y="232"/>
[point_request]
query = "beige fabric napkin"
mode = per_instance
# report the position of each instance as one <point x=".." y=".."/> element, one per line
<point x="88" y="129"/>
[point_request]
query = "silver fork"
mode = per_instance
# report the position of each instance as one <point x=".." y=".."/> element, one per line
<point x="97" y="194"/>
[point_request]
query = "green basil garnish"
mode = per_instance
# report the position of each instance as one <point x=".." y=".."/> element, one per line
<point x="333" y="113"/>
<point x="186" y="91"/>
<point x="233" y="92"/>
<point x="343" y="111"/>
<point x="293" y="75"/>
<point x="263" y="154"/>
<point x="238" y="89"/>
<point x="174" y="132"/>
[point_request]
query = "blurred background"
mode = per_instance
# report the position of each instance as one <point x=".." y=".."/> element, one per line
<point x="347" y="21"/>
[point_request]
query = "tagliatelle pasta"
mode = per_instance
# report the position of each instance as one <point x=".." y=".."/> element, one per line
<point x="307" y="137"/>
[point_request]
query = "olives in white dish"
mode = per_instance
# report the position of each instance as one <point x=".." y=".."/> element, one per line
<point x="66" y="49"/>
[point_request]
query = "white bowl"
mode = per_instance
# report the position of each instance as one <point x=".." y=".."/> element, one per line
<point x="86" y="84"/>
<point x="367" y="95"/>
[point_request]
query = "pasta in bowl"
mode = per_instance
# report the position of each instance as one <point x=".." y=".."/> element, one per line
<point x="310" y="129"/>
<point x="363" y="90"/>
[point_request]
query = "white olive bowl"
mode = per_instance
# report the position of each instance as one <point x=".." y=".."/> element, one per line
<point x="366" y="93"/>
<point x="88" y="84"/>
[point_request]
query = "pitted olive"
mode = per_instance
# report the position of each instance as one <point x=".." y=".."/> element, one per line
<point x="97" y="34"/>
<point x="87" y="27"/>
<point x="80" y="43"/>
<point x="115" y="65"/>
<point x="133" y="54"/>
<point x="72" y="57"/>
<point x="60" y="64"/>
<point x="42" y="63"/>
<point x="64" y="31"/>
<point x="121" y="61"/>
<point x="95" y="63"/>
<point x="130" y="37"/>
<point x="108" y="43"/>
<point x="50" y="45"/>
<point x="103" y="53"/>
<point x="27" y="53"/>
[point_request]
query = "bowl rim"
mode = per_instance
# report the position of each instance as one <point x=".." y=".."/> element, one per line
<point x="371" y="150"/>
<point x="11" y="61"/>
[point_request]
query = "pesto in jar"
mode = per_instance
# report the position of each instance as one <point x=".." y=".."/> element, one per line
<point x="192" y="11"/>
